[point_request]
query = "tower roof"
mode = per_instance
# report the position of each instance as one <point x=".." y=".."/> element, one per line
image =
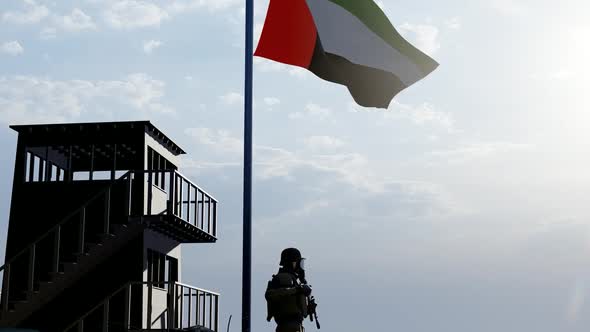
<point x="99" y="129"/>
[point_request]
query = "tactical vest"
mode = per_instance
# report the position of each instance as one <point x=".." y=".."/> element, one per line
<point x="291" y="307"/>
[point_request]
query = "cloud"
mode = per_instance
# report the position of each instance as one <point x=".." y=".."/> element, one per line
<point x="322" y="143"/>
<point x="273" y="162"/>
<point x="420" y="115"/>
<point x="130" y="14"/>
<point x="150" y="45"/>
<point x="218" y="140"/>
<point x="453" y="23"/>
<point x="557" y="75"/>
<point x="474" y="151"/>
<point x="312" y="110"/>
<point x="76" y="21"/>
<point x="508" y="7"/>
<point x="33" y="13"/>
<point x="13" y="48"/>
<point x="48" y="33"/>
<point x="181" y="6"/>
<point x="271" y="101"/>
<point x="232" y="98"/>
<point x="424" y="36"/>
<point x="31" y="99"/>
<point x="268" y="66"/>
<point x="362" y="192"/>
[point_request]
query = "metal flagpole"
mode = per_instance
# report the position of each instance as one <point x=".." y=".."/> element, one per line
<point x="247" y="203"/>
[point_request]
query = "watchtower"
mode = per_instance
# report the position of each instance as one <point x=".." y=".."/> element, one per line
<point x="97" y="217"/>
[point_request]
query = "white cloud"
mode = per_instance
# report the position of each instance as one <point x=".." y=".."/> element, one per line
<point x="76" y="21"/>
<point x="27" y="99"/>
<point x="266" y="66"/>
<point x="12" y="48"/>
<point x="318" y="111"/>
<point x="298" y="72"/>
<point x="508" y="7"/>
<point x="232" y="98"/>
<point x="272" y="162"/>
<point x="295" y="115"/>
<point x="474" y="151"/>
<point x="33" y="13"/>
<point x="312" y="110"/>
<point x="48" y="33"/>
<point x="453" y="23"/>
<point x="420" y="115"/>
<point x="218" y="140"/>
<point x="424" y="36"/>
<point x="129" y="14"/>
<point x="180" y="6"/>
<point x="557" y="75"/>
<point x="219" y="150"/>
<point x="150" y="45"/>
<point x="322" y="143"/>
<point x="271" y="101"/>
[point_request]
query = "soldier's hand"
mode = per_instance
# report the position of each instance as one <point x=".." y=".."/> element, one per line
<point x="304" y="289"/>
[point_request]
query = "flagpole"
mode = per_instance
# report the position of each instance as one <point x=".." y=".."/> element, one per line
<point x="247" y="203"/>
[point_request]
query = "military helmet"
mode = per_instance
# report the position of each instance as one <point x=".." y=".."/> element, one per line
<point x="290" y="255"/>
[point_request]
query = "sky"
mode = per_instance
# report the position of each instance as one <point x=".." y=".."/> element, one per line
<point x="462" y="207"/>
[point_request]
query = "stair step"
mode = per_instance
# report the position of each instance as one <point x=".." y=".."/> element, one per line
<point x="104" y="237"/>
<point x="118" y="228"/>
<point x="54" y="275"/>
<point x="31" y="294"/>
<point x="69" y="267"/>
<point x="17" y="302"/>
<point x="45" y="287"/>
<point x="92" y="247"/>
<point x="80" y="255"/>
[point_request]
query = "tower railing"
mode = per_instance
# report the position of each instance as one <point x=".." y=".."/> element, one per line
<point x="185" y="307"/>
<point x="170" y="192"/>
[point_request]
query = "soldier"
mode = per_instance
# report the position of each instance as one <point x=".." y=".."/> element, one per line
<point x="287" y="293"/>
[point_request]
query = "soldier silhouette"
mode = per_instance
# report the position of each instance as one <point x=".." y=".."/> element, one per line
<point x="287" y="293"/>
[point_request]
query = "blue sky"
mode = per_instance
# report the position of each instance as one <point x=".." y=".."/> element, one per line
<point x="463" y="207"/>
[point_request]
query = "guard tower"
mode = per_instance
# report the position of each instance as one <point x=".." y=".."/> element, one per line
<point x="97" y="217"/>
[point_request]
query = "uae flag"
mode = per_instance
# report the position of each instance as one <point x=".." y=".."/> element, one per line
<point x="350" y="42"/>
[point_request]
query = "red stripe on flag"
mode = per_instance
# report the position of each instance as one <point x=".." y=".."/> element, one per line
<point x="289" y="33"/>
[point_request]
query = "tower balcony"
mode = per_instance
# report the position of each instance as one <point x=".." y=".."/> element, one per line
<point x="174" y="205"/>
<point x="170" y="306"/>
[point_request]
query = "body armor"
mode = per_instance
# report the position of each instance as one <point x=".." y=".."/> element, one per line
<point x="284" y="300"/>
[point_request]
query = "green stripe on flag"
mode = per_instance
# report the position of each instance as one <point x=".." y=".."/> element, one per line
<point x="373" y="17"/>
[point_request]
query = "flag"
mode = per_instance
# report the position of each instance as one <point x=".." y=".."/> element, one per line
<point x="349" y="42"/>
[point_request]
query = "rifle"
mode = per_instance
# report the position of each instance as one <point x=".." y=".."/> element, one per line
<point x="311" y="308"/>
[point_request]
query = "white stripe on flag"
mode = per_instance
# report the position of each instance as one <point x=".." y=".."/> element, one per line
<point x="343" y="34"/>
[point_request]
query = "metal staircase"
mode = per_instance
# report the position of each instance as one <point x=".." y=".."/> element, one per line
<point x="56" y="259"/>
